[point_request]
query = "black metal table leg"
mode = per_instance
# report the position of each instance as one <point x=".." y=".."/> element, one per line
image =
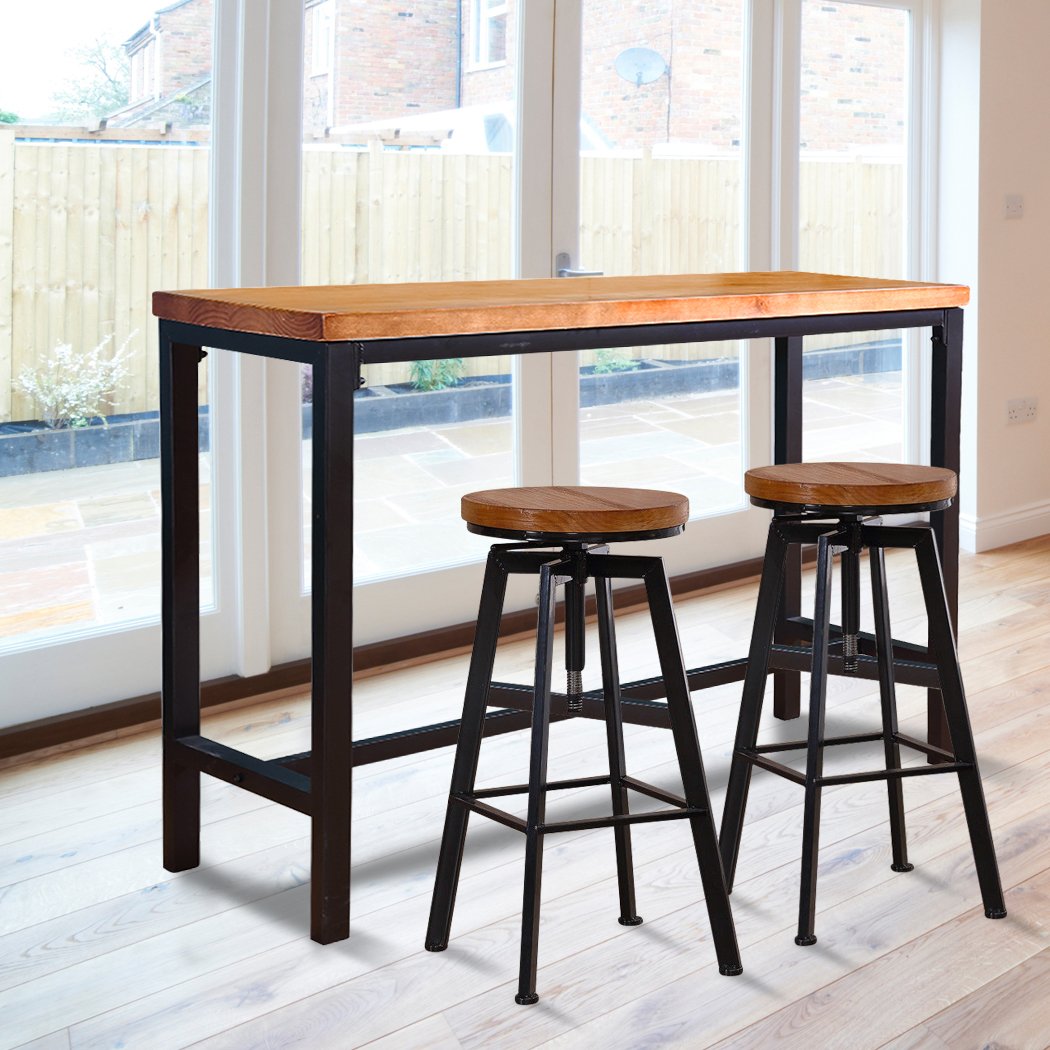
<point x="787" y="448"/>
<point x="336" y="376"/>
<point x="945" y="425"/>
<point x="180" y="598"/>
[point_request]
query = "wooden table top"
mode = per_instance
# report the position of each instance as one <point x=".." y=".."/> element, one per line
<point x="395" y="311"/>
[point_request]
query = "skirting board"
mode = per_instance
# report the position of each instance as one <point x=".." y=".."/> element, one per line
<point x="979" y="534"/>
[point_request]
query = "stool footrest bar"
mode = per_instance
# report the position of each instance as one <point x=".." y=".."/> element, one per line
<point x="926" y="749"/>
<point x="773" y="767"/>
<point x="654" y="792"/>
<point x="801" y="745"/>
<point x="552" y="785"/>
<point x="500" y="816"/>
<point x="588" y="823"/>
<point x="888" y="774"/>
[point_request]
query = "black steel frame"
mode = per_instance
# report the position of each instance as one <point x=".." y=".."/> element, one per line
<point x="939" y="670"/>
<point x="571" y="568"/>
<point x="318" y="783"/>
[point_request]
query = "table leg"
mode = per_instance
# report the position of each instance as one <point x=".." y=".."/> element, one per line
<point x="335" y="378"/>
<point x="180" y="599"/>
<point x="787" y="448"/>
<point x="945" y="423"/>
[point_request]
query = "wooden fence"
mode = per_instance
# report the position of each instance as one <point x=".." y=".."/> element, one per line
<point x="89" y="230"/>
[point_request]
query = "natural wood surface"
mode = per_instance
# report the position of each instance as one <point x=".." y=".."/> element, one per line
<point x="100" y="947"/>
<point x="851" y="484"/>
<point x="390" y="311"/>
<point x="591" y="510"/>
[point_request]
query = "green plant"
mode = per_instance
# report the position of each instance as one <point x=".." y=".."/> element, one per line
<point x="606" y="361"/>
<point x="71" y="389"/>
<point x="7" y="117"/>
<point x="436" y="375"/>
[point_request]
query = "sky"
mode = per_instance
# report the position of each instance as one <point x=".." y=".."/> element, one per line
<point x="36" y="37"/>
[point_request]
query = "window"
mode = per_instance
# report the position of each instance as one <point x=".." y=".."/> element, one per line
<point x="321" y="41"/>
<point x="490" y="32"/>
<point x="142" y="72"/>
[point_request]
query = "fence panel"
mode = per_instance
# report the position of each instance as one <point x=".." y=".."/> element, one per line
<point x="7" y="219"/>
<point x="89" y="229"/>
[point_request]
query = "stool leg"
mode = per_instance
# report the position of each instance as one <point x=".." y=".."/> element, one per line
<point x="617" y="755"/>
<point x="541" y="720"/>
<point x="815" y="747"/>
<point x="769" y="591"/>
<point x="690" y="762"/>
<point x="888" y="695"/>
<point x="943" y="651"/>
<point x="468" y="748"/>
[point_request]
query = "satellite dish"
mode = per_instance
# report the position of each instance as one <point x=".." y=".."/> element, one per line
<point x="640" y="65"/>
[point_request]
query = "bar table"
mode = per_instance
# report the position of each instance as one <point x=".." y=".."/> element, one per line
<point x="339" y="329"/>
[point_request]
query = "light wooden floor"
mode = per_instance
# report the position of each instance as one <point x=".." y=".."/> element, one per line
<point x="100" y="947"/>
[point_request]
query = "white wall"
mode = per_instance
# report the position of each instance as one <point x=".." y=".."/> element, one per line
<point x="995" y="140"/>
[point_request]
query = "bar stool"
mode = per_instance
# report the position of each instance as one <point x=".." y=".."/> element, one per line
<point x="580" y="522"/>
<point x="836" y="506"/>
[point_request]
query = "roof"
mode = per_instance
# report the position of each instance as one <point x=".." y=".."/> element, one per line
<point x="149" y="25"/>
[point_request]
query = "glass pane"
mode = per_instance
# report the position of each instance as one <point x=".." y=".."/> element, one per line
<point x="104" y="167"/>
<point x="661" y="192"/>
<point x="407" y="177"/>
<point x="853" y="216"/>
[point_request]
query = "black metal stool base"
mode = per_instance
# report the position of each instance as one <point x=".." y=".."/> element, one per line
<point x="936" y="666"/>
<point x="571" y="567"/>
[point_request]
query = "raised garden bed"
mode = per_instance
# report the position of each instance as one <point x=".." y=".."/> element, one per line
<point x="30" y="447"/>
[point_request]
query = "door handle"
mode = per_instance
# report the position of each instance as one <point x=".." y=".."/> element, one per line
<point x="563" y="269"/>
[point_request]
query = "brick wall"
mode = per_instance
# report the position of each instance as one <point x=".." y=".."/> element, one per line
<point x="854" y="76"/>
<point x="853" y="87"/>
<point x="394" y="59"/>
<point x="186" y="45"/>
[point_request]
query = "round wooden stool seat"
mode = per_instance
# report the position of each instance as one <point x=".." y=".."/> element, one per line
<point x="852" y="486"/>
<point x="575" y="511"/>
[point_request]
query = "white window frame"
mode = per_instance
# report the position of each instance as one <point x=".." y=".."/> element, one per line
<point x="322" y="38"/>
<point x="261" y="618"/>
<point x="483" y="14"/>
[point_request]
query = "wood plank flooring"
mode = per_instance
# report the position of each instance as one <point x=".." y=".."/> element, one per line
<point x="102" y="948"/>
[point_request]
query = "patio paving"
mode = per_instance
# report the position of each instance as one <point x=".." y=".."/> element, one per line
<point x="80" y="549"/>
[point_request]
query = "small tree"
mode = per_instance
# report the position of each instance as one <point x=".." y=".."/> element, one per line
<point x="97" y="87"/>
<point x="7" y="117"/>
<point x="72" y="389"/>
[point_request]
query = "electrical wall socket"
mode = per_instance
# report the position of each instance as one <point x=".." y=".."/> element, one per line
<point x="1022" y="409"/>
